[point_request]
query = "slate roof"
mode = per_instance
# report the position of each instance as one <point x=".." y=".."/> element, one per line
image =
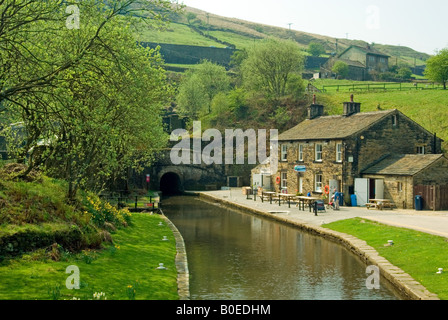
<point x="407" y="165"/>
<point x="366" y="50"/>
<point x="333" y="127"/>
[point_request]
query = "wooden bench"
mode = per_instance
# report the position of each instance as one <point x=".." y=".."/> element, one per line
<point x="380" y="204"/>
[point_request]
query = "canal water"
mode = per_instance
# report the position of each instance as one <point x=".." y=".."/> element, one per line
<point x="233" y="255"/>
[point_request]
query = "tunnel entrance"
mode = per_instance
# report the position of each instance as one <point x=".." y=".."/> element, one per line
<point x="170" y="184"/>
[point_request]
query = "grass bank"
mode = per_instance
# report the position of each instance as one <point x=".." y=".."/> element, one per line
<point x="124" y="270"/>
<point x="416" y="253"/>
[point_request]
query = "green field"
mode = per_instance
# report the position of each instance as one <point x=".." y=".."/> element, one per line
<point x="416" y="253"/>
<point x="122" y="271"/>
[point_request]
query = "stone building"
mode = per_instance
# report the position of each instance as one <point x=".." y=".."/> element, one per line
<point x="335" y="151"/>
<point x="408" y="175"/>
<point x="362" y="62"/>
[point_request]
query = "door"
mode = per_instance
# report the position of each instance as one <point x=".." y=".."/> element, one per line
<point x="334" y="184"/>
<point x="266" y="182"/>
<point x="257" y="181"/>
<point x="379" y="189"/>
<point x="362" y="191"/>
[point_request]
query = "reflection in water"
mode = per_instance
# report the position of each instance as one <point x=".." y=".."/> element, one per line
<point x="238" y="256"/>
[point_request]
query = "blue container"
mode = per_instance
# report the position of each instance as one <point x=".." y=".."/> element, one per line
<point x="418" y="203"/>
<point x="354" y="200"/>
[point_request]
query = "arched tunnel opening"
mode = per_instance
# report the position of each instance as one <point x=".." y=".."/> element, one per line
<point x="170" y="184"/>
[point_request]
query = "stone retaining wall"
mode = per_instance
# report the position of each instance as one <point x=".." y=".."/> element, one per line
<point x="183" y="276"/>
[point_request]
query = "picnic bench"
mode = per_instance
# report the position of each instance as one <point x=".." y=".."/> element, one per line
<point x="380" y="204"/>
<point x="268" y="196"/>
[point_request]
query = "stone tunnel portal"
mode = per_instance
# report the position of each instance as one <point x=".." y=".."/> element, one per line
<point x="170" y="184"/>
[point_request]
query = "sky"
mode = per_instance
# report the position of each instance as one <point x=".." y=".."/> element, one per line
<point x="420" y="25"/>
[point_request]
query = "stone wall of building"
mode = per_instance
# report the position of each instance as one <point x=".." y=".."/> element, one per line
<point x="399" y="189"/>
<point x="385" y="138"/>
<point x="328" y="168"/>
<point x="436" y="174"/>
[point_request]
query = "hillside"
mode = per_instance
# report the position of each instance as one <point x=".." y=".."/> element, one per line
<point x="199" y="28"/>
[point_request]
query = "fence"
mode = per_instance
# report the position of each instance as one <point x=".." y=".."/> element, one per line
<point x="434" y="197"/>
<point x="135" y="203"/>
<point x="387" y="86"/>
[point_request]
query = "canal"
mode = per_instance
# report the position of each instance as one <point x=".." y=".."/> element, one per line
<point x="237" y="256"/>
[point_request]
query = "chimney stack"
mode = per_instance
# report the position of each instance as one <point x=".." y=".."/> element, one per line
<point x="351" y="107"/>
<point x="315" y="110"/>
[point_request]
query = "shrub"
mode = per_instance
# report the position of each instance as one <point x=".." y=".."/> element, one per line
<point x="103" y="213"/>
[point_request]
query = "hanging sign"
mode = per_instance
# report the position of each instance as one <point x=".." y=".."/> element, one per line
<point x="300" y="169"/>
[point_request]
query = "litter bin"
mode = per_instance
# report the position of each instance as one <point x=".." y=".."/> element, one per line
<point x="354" y="200"/>
<point x="418" y="203"/>
<point x="341" y="199"/>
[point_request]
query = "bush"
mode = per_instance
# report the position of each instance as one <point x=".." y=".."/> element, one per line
<point x="103" y="213"/>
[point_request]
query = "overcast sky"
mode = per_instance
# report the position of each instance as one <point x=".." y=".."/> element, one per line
<point x="421" y="25"/>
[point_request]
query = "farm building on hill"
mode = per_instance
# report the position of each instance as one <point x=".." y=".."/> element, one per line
<point x="362" y="61"/>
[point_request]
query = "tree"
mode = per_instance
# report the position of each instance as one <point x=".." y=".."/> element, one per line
<point x="269" y="66"/>
<point x="89" y="99"/>
<point x="316" y="49"/>
<point x="341" y="69"/>
<point x="437" y="67"/>
<point x="200" y="86"/>
<point x="404" y="73"/>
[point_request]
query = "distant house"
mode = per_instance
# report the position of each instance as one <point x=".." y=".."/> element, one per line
<point x="362" y="61"/>
<point x="346" y="152"/>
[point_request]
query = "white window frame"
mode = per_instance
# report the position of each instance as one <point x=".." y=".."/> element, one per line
<point x="421" y="150"/>
<point x="284" y="153"/>
<point x="301" y="152"/>
<point x="339" y="152"/>
<point x="318" y="154"/>
<point x="284" y="180"/>
<point x="318" y="182"/>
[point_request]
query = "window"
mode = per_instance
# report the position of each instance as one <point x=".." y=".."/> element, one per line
<point x="400" y="186"/>
<point x="421" y="150"/>
<point x="394" y="120"/>
<point x="318" y="152"/>
<point x="318" y="183"/>
<point x="339" y="152"/>
<point x="284" y="152"/>
<point x="301" y="152"/>
<point x="284" y="180"/>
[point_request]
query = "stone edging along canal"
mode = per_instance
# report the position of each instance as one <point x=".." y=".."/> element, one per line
<point x="407" y="287"/>
<point x="183" y="276"/>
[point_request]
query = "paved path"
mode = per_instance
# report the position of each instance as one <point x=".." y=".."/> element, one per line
<point x="425" y="221"/>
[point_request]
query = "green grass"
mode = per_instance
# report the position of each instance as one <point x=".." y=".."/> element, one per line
<point x="176" y="34"/>
<point x="131" y="260"/>
<point x="418" y="254"/>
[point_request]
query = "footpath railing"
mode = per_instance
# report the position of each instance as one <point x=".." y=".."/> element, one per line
<point x="134" y="202"/>
<point x="386" y="86"/>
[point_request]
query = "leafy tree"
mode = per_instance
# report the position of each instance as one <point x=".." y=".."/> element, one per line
<point x="341" y="69"/>
<point x="437" y="67"/>
<point x="270" y="64"/>
<point x="89" y="99"/>
<point x="200" y="86"/>
<point x="404" y="73"/>
<point x="316" y="49"/>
